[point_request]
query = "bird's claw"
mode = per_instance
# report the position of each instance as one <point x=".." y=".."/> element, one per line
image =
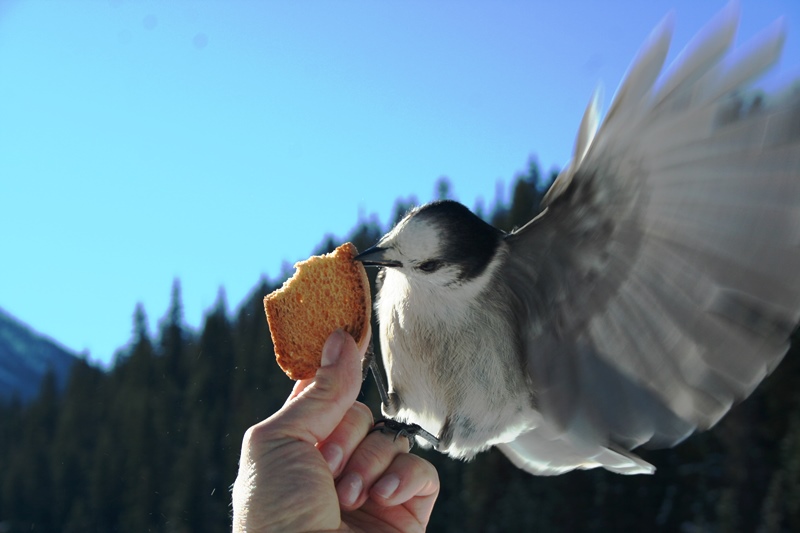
<point x="401" y="429"/>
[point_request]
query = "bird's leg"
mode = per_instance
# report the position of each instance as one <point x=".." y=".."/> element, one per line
<point x="370" y="363"/>
<point x="389" y="402"/>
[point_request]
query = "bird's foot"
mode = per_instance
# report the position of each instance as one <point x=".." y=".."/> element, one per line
<point x="401" y="429"/>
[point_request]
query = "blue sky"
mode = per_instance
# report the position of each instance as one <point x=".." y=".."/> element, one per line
<point x="216" y="141"/>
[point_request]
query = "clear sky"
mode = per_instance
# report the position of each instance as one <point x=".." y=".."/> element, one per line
<point x="215" y="141"/>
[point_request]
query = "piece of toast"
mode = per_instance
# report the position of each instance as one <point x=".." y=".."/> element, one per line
<point x="327" y="292"/>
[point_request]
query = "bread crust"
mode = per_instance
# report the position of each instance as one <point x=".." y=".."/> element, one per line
<point x="327" y="292"/>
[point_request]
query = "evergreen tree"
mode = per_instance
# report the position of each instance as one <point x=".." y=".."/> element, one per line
<point x="28" y="483"/>
<point x="173" y="368"/>
<point x="11" y="420"/>
<point x="443" y="189"/>
<point x="210" y="448"/>
<point x="173" y="340"/>
<point x="134" y="410"/>
<point x="81" y="418"/>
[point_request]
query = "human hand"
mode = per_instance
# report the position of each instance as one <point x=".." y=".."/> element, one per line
<point x="314" y="465"/>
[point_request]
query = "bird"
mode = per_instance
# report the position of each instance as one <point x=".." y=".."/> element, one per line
<point x="657" y="286"/>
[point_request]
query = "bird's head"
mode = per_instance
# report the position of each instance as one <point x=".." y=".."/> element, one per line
<point x="442" y="243"/>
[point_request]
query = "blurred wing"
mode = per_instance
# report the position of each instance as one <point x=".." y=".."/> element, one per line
<point x="662" y="282"/>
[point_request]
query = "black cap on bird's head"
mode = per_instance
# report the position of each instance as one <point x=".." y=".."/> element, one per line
<point x="436" y="236"/>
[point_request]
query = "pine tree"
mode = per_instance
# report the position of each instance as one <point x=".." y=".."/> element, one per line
<point x="443" y="189"/>
<point x="28" y="485"/>
<point x="173" y="340"/>
<point x="133" y="413"/>
<point x="11" y="420"/>
<point x="209" y="444"/>
<point x="81" y="418"/>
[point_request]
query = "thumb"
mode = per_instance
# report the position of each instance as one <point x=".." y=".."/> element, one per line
<point x="318" y="405"/>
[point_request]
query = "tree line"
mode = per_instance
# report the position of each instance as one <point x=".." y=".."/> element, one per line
<point x="152" y="444"/>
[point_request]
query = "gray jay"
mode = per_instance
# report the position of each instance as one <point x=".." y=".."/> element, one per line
<point x="659" y="285"/>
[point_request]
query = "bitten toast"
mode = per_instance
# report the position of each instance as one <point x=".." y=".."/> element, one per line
<point x="326" y="292"/>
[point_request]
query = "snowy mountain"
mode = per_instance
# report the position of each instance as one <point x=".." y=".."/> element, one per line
<point x="25" y="358"/>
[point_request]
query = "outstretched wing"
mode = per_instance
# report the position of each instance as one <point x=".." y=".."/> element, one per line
<point x="662" y="282"/>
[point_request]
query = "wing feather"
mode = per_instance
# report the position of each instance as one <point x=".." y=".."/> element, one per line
<point x="698" y="58"/>
<point x="662" y="282"/>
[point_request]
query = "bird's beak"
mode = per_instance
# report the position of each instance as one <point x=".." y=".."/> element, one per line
<point x="377" y="256"/>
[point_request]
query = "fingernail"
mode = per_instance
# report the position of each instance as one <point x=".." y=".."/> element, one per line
<point x="333" y="454"/>
<point x="386" y="486"/>
<point x="349" y="488"/>
<point x="333" y="348"/>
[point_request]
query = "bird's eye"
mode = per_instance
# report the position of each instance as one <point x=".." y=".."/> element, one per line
<point x="429" y="266"/>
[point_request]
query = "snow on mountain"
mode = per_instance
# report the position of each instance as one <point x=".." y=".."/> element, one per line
<point x="25" y="358"/>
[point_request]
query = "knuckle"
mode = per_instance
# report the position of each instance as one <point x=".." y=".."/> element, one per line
<point x="325" y="385"/>
<point x="256" y="434"/>
<point x="372" y="452"/>
<point x="362" y="413"/>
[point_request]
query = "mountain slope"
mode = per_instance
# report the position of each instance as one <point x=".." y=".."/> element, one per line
<point x="25" y="358"/>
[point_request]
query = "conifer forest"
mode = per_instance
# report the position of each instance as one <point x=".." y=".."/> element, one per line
<point x="152" y="443"/>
